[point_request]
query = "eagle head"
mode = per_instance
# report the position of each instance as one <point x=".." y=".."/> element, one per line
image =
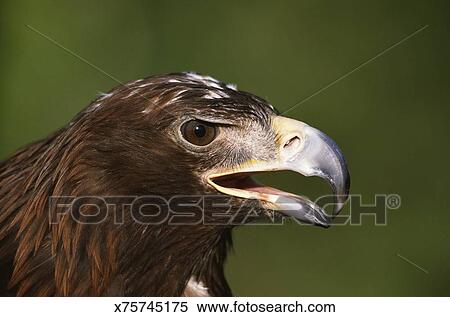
<point x="175" y="155"/>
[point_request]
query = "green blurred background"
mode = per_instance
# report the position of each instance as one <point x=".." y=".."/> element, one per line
<point x="390" y="117"/>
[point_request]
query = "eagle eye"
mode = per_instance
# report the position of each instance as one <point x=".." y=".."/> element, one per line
<point x="198" y="133"/>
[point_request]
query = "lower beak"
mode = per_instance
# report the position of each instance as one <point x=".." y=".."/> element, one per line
<point x="305" y="150"/>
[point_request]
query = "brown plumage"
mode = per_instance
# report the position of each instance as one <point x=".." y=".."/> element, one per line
<point x="116" y="146"/>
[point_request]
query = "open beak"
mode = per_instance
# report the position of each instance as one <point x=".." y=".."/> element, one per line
<point x="300" y="148"/>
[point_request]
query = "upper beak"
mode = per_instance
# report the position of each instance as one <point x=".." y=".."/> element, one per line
<point x="303" y="149"/>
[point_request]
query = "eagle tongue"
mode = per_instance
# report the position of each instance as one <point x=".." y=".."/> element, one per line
<point x="302" y="209"/>
<point x="298" y="207"/>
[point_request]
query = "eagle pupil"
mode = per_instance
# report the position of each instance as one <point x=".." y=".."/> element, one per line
<point x="200" y="131"/>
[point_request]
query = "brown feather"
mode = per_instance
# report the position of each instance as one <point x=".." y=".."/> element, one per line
<point x="117" y="146"/>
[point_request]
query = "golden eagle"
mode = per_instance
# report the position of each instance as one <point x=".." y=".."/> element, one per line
<point x="182" y="148"/>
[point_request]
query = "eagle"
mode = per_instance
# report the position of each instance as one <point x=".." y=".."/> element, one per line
<point x="183" y="148"/>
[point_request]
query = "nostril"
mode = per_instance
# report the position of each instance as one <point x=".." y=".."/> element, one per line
<point x="291" y="147"/>
<point x="293" y="142"/>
